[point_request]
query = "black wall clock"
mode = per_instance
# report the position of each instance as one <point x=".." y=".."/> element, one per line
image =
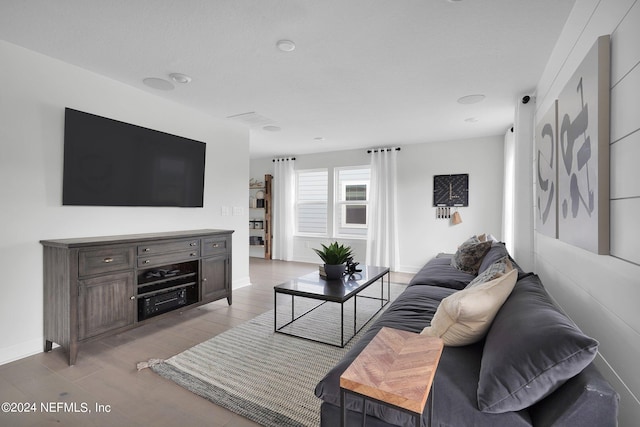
<point x="451" y="190"/>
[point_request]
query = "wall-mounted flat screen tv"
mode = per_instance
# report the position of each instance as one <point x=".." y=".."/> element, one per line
<point x="111" y="163"/>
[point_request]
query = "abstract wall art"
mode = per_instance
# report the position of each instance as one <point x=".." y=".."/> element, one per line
<point x="546" y="139"/>
<point x="583" y="152"/>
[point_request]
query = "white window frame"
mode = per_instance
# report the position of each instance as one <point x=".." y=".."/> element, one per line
<point x="341" y="205"/>
<point x="299" y="203"/>
<point x="345" y="203"/>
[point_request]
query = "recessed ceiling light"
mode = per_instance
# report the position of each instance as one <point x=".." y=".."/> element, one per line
<point x="471" y="99"/>
<point x="180" y="78"/>
<point x="272" y="128"/>
<point x="286" y="45"/>
<point x="471" y="120"/>
<point x="251" y="119"/>
<point x="318" y="138"/>
<point x="156" y="83"/>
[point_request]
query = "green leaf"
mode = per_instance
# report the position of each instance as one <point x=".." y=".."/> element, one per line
<point x="334" y="254"/>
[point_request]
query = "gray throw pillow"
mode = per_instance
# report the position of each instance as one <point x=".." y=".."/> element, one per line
<point x="495" y="270"/>
<point x="531" y="349"/>
<point x="469" y="255"/>
<point x="497" y="251"/>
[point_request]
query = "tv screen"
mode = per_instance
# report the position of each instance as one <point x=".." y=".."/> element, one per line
<point x="111" y="163"/>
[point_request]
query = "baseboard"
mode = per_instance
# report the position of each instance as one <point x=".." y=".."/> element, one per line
<point x="241" y="283"/>
<point x="21" y="350"/>
<point x="410" y="269"/>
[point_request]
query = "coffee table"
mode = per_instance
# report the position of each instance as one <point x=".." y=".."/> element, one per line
<point x="338" y="291"/>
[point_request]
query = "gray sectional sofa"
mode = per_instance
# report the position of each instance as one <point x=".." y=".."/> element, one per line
<point x="533" y="368"/>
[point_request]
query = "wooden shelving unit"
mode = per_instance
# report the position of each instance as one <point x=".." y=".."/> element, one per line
<point x="260" y="218"/>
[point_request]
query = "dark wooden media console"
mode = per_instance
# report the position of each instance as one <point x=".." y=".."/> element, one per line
<point x="99" y="286"/>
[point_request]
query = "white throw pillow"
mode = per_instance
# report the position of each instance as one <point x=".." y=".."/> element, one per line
<point x="464" y="317"/>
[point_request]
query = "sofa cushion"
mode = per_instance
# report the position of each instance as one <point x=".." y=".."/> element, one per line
<point x="530" y="350"/>
<point x="465" y="316"/>
<point x="470" y="254"/>
<point x="438" y="272"/>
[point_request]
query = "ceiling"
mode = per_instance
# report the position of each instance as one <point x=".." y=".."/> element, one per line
<point x="364" y="73"/>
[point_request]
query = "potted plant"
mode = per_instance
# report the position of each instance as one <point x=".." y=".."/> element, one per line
<point x="335" y="257"/>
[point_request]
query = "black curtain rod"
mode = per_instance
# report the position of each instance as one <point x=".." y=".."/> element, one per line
<point x="288" y="158"/>
<point x="383" y="149"/>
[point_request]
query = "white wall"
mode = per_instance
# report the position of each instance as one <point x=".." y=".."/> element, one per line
<point x="422" y="236"/>
<point x="601" y="293"/>
<point x="35" y="91"/>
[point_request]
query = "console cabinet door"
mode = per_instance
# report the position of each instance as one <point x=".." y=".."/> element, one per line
<point x="215" y="277"/>
<point x="105" y="303"/>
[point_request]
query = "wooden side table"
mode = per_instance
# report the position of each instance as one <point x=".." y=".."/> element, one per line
<point x="396" y="369"/>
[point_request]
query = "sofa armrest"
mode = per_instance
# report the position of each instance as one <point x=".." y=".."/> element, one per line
<point x="586" y="399"/>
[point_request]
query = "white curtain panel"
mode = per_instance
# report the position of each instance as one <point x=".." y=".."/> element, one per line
<point x="283" y="208"/>
<point x="382" y="237"/>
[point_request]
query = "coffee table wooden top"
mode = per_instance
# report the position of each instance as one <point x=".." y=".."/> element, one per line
<point x="397" y="367"/>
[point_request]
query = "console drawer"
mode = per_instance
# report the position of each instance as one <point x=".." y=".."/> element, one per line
<point x="153" y="248"/>
<point x="215" y="245"/>
<point x="98" y="261"/>
<point x="146" y="261"/>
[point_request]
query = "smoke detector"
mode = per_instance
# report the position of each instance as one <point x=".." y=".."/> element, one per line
<point x="286" y="45"/>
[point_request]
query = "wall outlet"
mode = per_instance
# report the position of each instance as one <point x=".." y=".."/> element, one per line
<point x="224" y="211"/>
<point x="238" y="211"/>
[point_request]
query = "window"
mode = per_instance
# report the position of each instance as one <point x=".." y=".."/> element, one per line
<point x="354" y="215"/>
<point x="312" y="201"/>
<point x="351" y="201"/>
<point x="342" y="212"/>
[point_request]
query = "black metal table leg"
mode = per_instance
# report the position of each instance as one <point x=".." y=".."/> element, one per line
<point x="342" y="324"/>
<point x="364" y="411"/>
<point x="430" y="403"/>
<point x="343" y="416"/>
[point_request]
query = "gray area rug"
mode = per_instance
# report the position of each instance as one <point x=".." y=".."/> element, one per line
<point x="269" y="377"/>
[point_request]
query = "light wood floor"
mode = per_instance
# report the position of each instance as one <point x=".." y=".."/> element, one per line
<point x="106" y="374"/>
